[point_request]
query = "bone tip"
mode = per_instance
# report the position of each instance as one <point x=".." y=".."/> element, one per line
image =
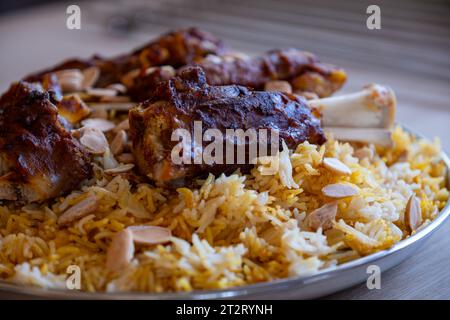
<point x="382" y="95"/>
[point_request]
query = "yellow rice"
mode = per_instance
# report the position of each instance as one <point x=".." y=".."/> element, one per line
<point x="231" y="231"/>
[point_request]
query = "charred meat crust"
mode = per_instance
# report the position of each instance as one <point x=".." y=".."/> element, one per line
<point x="176" y="48"/>
<point x="301" y="69"/>
<point x="178" y="102"/>
<point x="287" y="64"/>
<point x="43" y="160"/>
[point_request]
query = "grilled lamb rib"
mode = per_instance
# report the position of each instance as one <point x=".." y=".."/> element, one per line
<point x="39" y="159"/>
<point x="179" y="102"/>
<point x="176" y="48"/>
<point x="301" y="69"/>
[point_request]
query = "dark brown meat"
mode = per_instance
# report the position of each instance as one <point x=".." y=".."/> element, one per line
<point x="302" y="69"/>
<point x="178" y="102"/>
<point x="39" y="159"/>
<point x="176" y="48"/>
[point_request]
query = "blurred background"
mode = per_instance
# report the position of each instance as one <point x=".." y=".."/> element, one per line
<point x="410" y="53"/>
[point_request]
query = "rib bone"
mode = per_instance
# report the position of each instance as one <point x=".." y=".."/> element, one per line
<point x="380" y="137"/>
<point x="372" y="107"/>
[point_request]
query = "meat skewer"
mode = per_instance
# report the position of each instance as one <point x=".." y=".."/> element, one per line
<point x="39" y="159"/>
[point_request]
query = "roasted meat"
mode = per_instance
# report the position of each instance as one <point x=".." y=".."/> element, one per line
<point x="143" y="69"/>
<point x="39" y="159"/>
<point x="181" y="101"/>
<point x="176" y="48"/>
<point x="302" y="69"/>
<point x="305" y="73"/>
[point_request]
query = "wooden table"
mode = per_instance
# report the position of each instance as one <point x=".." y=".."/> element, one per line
<point x="410" y="53"/>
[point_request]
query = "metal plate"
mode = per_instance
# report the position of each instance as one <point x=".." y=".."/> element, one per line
<point x="323" y="283"/>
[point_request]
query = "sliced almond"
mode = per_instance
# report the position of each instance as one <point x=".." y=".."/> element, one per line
<point x="336" y="166"/>
<point x="150" y="234"/>
<point x="120" y="169"/>
<point x="101" y="92"/>
<point x="413" y="213"/>
<point x="339" y="190"/>
<point x="124" y="125"/>
<point x="78" y="211"/>
<point x="98" y="123"/>
<point x="115" y="99"/>
<point x="119" y="142"/>
<point x="120" y="88"/>
<point x="363" y="153"/>
<point x="90" y="77"/>
<point x="278" y="85"/>
<point x="70" y="84"/>
<point x="70" y="80"/>
<point x="169" y="70"/>
<point x="322" y="217"/>
<point x="120" y="252"/>
<point x="125" y="158"/>
<point x="94" y="140"/>
<point x="109" y="162"/>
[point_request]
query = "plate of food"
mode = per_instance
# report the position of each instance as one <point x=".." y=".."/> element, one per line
<point x="185" y="170"/>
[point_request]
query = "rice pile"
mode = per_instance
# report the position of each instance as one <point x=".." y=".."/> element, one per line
<point x="230" y="231"/>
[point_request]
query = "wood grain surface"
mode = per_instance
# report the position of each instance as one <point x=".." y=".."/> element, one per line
<point x="410" y="53"/>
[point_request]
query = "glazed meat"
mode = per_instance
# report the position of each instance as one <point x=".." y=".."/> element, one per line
<point x="303" y="70"/>
<point x="180" y="102"/>
<point x="143" y="69"/>
<point x="39" y="159"/>
<point x="176" y="48"/>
